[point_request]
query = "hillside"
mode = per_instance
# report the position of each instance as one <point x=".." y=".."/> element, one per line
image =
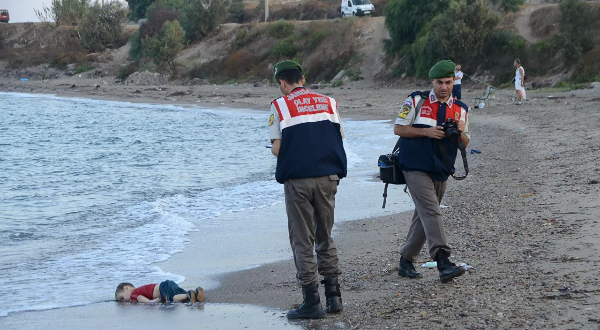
<point x="246" y="52"/>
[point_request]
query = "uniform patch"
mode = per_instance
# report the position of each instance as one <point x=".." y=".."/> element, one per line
<point x="456" y="116"/>
<point x="271" y="119"/>
<point x="405" y="111"/>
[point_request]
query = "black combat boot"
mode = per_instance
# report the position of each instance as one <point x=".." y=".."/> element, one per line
<point x="310" y="307"/>
<point x="333" y="295"/>
<point x="448" y="270"/>
<point x="407" y="269"/>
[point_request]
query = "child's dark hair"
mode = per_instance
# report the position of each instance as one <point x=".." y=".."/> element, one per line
<point x="518" y="61"/>
<point x="121" y="287"/>
<point x="291" y="77"/>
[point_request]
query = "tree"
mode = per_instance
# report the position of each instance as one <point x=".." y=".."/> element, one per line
<point x="203" y="18"/>
<point x="508" y="5"/>
<point x="163" y="48"/>
<point x="102" y="25"/>
<point x="237" y="11"/>
<point x="458" y="33"/>
<point x="404" y="19"/>
<point x="64" y="12"/>
<point x="574" y="38"/>
<point x="137" y="8"/>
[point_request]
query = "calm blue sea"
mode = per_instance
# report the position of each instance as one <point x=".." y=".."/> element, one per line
<point x="96" y="192"/>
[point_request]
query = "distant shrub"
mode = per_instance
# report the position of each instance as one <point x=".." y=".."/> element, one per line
<point x="316" y="39"/>
<point x="588" y="69"/>
<point x="136" y="49"/>
<point x="102" y="26"/>
<point x="202" y="19"/>
<point x="137" y="8"/>
<point x="406" y="18"/>
<point x="354" y="74"/>
<point x="286" y="48"/>
<point x="464" y="40"/>
<point x="64" y="12"/>
<point x="82" y="68"/>
<point x="337" y="83"/>
<point x="281" y="29"/>
<point x="156" y="19"/>
<point x="236" y="11"/>
<point x="508" y="5"/>
<point x="163" y="48"/>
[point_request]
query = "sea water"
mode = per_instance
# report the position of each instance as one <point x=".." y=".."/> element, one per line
<point x="93" y="193"/>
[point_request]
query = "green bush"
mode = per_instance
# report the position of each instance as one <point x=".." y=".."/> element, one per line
<point x="236" y="10"/>
<point x="137" y="8"/>
<point x="337" y="83"/>
<point x="136" y="50"/>
<point x="82" y="68"/>
<point x="102" y="26"/>
<point x="316" y="39"/>
<point x="459" y="33"/>
<point x="404" y="19"/>
<point x="281" y="29"/>
<point x="508" y="5"/>
<point x="574" y="37"/>
<point x="201" y="19"/>
<point x="354" y="74"/>
<point x="64" y="12"/>
<point x="163" y="49"/>
<point x="286" y="48"/>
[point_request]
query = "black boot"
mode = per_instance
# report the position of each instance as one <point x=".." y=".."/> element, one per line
<point x="407" y="269"/>
<point x="310" y="307"/>
<point x="333" y="295"/>
<point x="448" y="270"/>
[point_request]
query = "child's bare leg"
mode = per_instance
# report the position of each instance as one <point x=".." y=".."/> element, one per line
<point x="180" y="297"/>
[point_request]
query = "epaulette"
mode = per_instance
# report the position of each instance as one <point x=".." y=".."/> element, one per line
<point x="462" y="105"/>
<point x="419" y="93"/>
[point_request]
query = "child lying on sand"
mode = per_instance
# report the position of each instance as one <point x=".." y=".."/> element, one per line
<point x="167" y="291"/>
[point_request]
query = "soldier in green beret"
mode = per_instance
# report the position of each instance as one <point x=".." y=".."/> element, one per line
<point x="306" y="132"/>
<point x="427" y="154"/>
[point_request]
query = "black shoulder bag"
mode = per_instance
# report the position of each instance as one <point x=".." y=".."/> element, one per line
<point x="389" y="165"/>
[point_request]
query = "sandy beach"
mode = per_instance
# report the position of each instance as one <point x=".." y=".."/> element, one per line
<point x="524" y="218"/>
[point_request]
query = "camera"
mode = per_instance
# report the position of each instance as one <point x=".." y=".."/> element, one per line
<point x="451" y="129"/>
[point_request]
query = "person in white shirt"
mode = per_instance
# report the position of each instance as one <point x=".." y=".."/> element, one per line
<point x="519" y="81"/>
<point x="456" y="89"/>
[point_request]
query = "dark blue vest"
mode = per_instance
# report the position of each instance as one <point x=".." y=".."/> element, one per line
<point x="423" y="154"/>
<point x="310" y="149"/>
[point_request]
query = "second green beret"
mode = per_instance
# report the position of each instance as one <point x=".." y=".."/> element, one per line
<point x="284" y="66"/>
<point x="443" y="69"/>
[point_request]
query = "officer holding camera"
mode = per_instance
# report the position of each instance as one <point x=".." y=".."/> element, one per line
<point x="431" y="125"/>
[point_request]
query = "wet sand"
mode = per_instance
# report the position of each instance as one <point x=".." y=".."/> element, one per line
<point x="526" y="219"/>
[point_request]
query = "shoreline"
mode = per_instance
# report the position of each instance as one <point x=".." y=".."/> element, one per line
<point x="524" y="218"/>
<point x="528" y="271"/>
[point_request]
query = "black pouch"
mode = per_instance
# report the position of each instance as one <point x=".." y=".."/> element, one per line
<point x="389" y="169"/>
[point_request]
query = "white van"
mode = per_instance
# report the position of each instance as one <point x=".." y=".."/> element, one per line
<point x="357" y="8"/>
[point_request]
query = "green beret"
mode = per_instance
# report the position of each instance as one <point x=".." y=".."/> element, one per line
<point x="443" y="69"/>
<point x="285" y="66"/>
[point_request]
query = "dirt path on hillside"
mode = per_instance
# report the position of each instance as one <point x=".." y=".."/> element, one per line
<point x="374" y="33"/>
<point x="522" y="23"/>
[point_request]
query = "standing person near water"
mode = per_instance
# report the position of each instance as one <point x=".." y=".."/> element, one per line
<point x="457" y="88"/>
<point x="306" y="132"/>
<point x="419" y="123"/>
<point x="519" y="81"/>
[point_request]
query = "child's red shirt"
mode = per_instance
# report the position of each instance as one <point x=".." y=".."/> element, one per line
<point x="144" y="290"/>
